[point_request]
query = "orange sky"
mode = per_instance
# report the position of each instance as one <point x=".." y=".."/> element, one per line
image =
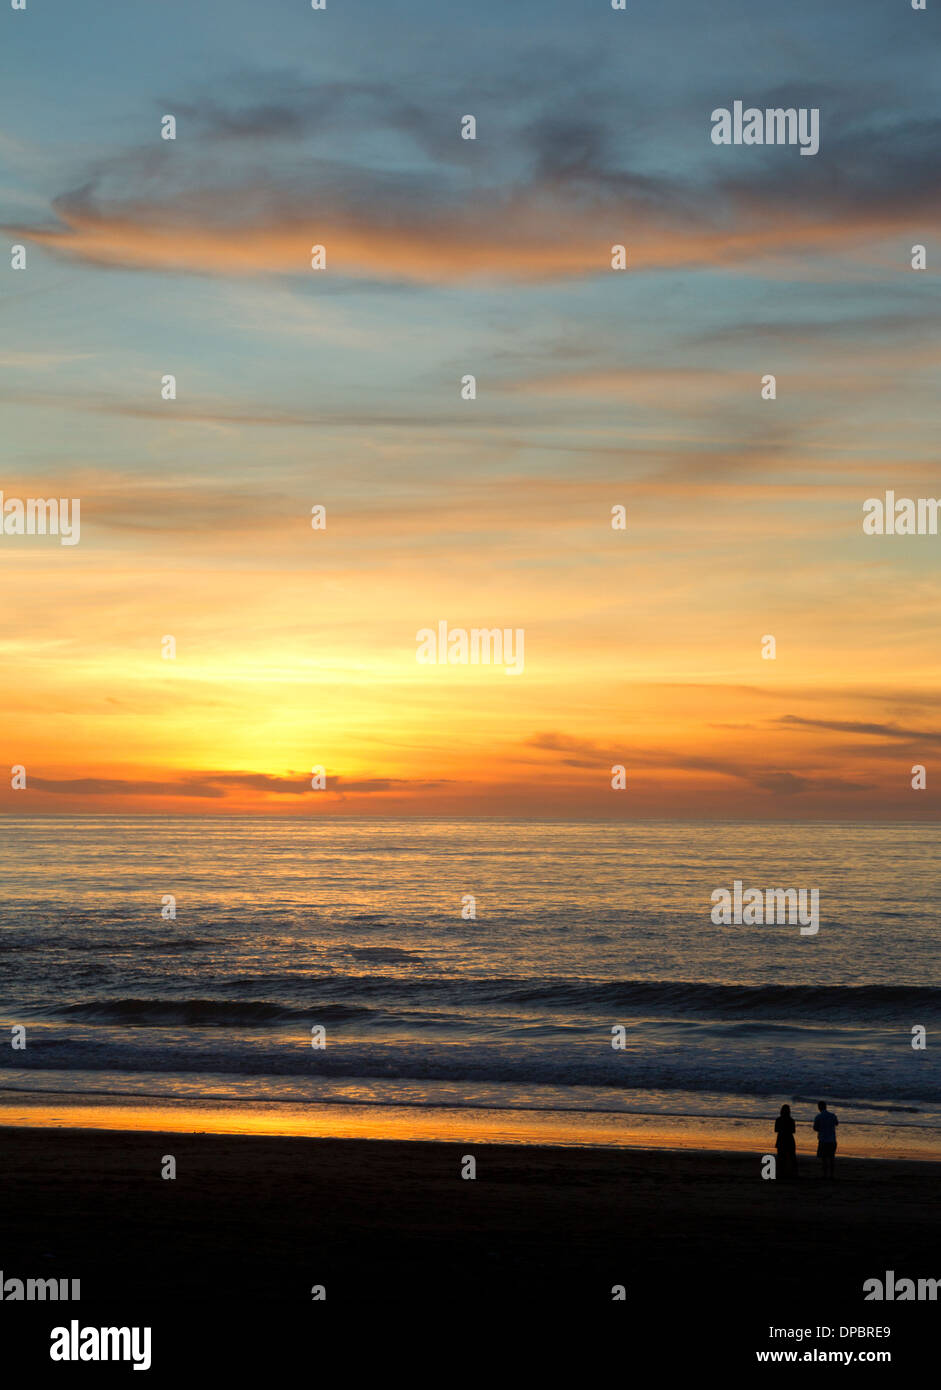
<point x="297" y="648"/>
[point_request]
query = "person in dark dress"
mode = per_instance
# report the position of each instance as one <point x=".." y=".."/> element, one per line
<point x="784" y="1128"/>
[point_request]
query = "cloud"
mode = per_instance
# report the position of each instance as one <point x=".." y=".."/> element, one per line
<point x="494" y="236"/>
<point x="116" y="786"/>
<point x="285" y="106"/>
<point x="526" y="235"/>
<point x="573" y="752"/>
<point x="636" y="383"/>
<point x="554" y="211"/>
<point x="217" y="784"/>
<point x="582" y="753"/>
<point x="874" y="730"/>
<point x="783" y="783"/>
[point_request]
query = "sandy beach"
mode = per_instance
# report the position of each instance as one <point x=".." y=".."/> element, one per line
<point x="256" y="1223"/>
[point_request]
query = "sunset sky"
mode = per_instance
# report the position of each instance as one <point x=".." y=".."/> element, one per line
<point x="595" y="387"/>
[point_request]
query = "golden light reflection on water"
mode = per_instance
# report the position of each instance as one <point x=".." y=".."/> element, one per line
<point x="452" y="1126"/>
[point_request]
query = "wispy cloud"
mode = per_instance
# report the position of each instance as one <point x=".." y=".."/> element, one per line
<point x="581" y="753"/>
<point x="218" y="784"/>
<point x="554" y="216"/>
<point x="873" y="730"/>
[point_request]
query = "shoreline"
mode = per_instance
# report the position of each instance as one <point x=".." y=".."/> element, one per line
<point x="807" y="1156"/>
<point x="372" y="1121"/>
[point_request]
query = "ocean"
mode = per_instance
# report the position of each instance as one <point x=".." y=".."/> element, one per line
<point x="492" y="1027"/>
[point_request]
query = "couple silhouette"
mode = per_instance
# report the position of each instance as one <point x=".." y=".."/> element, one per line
<point x="825" y="1123"/>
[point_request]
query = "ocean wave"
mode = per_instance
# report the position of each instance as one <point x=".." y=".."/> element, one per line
<point x="896" y="1080"/>
<point x="383" y="953"/>
<point x="304" y="994"/>
<point x="205" y="1012"/>
<point x="797" y="1002"/>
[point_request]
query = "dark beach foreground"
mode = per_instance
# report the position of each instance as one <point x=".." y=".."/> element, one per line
<point x="702" y="1245"/>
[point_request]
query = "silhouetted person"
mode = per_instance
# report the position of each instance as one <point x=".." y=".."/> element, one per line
<point x="825" y="1124"/>
<point x="784" y="1143"/>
